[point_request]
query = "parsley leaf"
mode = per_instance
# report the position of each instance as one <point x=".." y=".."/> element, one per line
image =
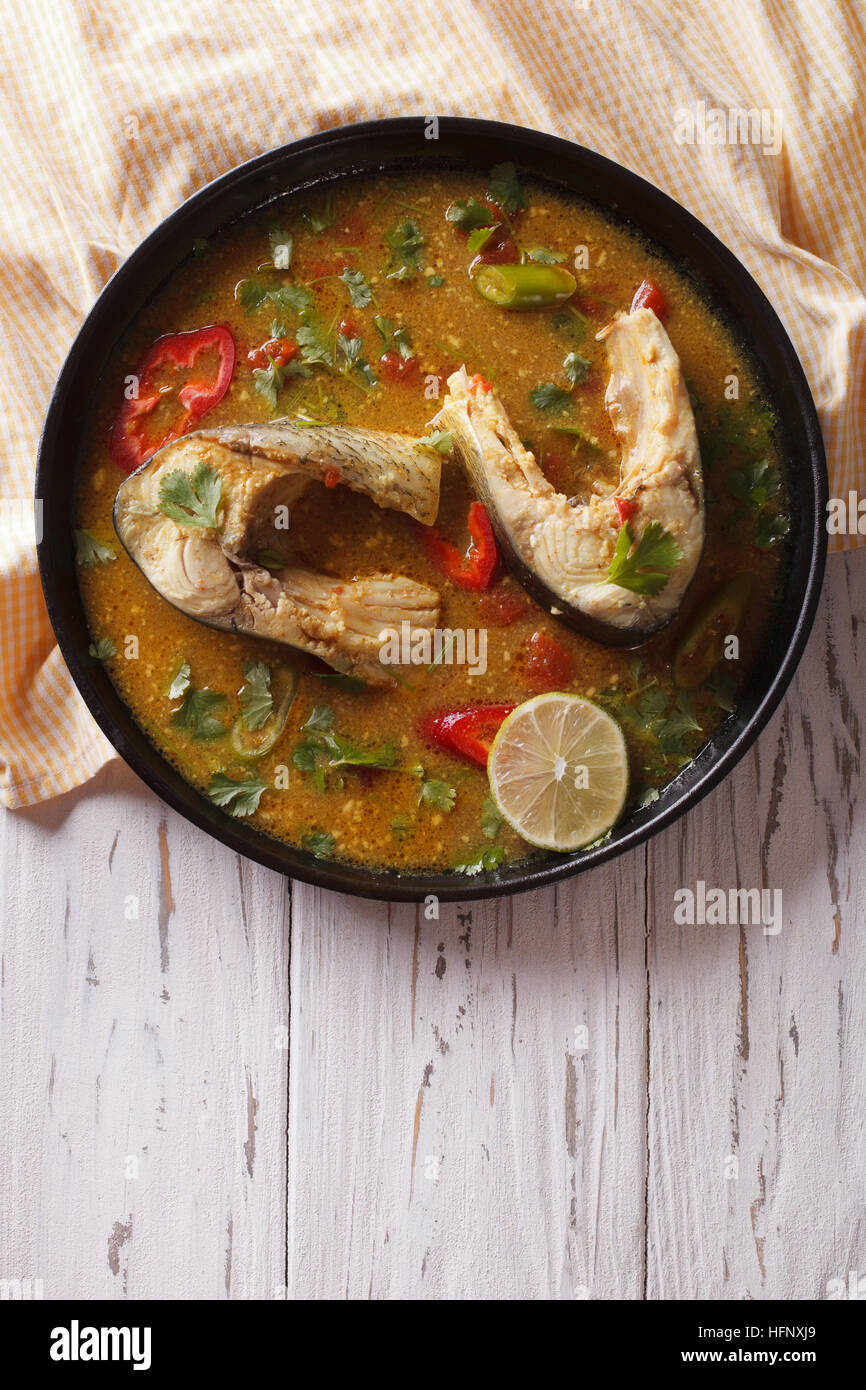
<point x="195" y="716"/>
<point x="468" y="216"/>
<point x="406" y="242"/>
<point x="576" y="368"/>
<point x="547" y="395"/>
<point x="238" y="798"/>
<point x="257" y="702"/>
<point x="319" y="843"/>
<point x="486" y="859"/>
<point x="102" y="648"/>
<point x="191" y="499"/>
<point x="755" y="483"/>
<point x="89" y="551"/>
<point x="179" y="681"/>
<point x="491" y="819"/>
<point x="359" y="291"/>
<point x="505" y="188"/>
<point x="436" y="793"/>
<point x="648" y="568"/>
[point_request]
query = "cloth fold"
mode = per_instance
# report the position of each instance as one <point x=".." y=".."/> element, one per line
<point x="112" y="114"/>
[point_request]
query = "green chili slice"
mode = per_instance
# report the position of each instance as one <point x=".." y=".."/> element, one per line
<point x="702" y="647"/>
<point x="524" y="286"/>
<point x="255" y="743"/>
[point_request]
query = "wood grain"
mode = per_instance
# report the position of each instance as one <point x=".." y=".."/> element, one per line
<point x="560" y="1095"/>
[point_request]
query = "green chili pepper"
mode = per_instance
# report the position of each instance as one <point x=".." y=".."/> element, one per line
<point x="702" y="647"/>
<point x="524" y="286"/>
<point x="248" y="743"/>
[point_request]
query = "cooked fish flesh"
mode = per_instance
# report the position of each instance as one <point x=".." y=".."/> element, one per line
<point x="562" y="552"/>
<point x="213" y="572"/>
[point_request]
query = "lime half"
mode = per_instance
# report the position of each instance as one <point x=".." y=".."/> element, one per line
<point x="558" y="771"/>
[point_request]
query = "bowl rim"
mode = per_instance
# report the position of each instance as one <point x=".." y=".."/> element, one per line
<point x="129" y="739"/>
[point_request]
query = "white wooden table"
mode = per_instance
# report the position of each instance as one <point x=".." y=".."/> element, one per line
<point x="255" y="1089"/>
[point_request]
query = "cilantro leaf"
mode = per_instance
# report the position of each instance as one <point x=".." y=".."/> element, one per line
<point x="281" y="248"/>
<point x="318" y="221"/>
<point x="547" y="395"/>
<point x="319" y="720"/>
<point x="491" y="819"/>
<point x="295" y="297"/>
<point x="769" y="529"/>
<point x="359" y="291"/>
<point x="314" y="344"/>
<point x="257" y="702"/>
<point x="755" y="483"/>
<point x="680" y="722"/>
<point x="479" y="238"/>
<point x="483" y="860"/>
<point x="649" y="567"/>
<point x="319" y="843"/>
<point x="406" y="241"/>
<point x="89" y="551"/>
<point x="191" y="499"/>
<point x="505" y="188"/>
<point x="195" y="716"/>
<point x="239" y="798"/>
<point x="436" y="793"/>
<point x="576" y="368"/>
<point x="271" y="559"/>
<point x="397" y="340"/>
<point x="434" y="281"/>
<point x="543" y="256"/>
<point x="341" y="681"/>
<point x="102" y="648"/>
<point x="468" y="216"/>
<point x="252" y="294"/>
<point x="178" y="683"/>
<point x="401" y="824"/>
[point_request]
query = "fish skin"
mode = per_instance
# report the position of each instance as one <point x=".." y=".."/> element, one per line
<point x="210" y="574"/>
<point x="561" y="553"/>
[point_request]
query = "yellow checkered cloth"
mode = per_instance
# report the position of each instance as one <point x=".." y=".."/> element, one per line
<point x="113" y="113"/>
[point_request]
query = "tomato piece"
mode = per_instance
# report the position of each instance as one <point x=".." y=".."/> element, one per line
<point x="548" y="666"/>
<point x="649" y="296"/>
<point x="500" y="249"/>
<point x="129" y="445"/>
<point x="348" y="329"/>
<point x="479" y="383"/>
<point x="276" y="350"/>
<point x="396" y="368"/>
<point x="502" y="606"/>
<point x="332" y="477"/>
<point x="626" y="508"/>
<point x="474" y="570"/>
<point x="468" y="733"/>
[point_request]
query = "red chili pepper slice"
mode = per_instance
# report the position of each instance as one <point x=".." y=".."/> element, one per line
<point x="548" y="665"/>
<point x="502" y="606"/>
<point x="397" y="368"/>
<point x="129" y="446"/>
<point x="626" y="508"/>
<point x="649" y="296"/>
<point x="466" y="732"/>
<point x="276" y="350"/>
<point x="474" y="570"/>
<point x="332" y="477"/>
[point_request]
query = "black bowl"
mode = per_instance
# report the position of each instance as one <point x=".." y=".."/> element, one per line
<point x="403" y="144"/>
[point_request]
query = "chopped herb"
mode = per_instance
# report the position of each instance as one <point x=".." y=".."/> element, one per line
<point x="468" y="216"/>
<point x="295" y="297"/>
<point x="319" y="720"/>
<point x="436" y="793"/>
<point x="505" y="188"/>
<point x="89" y="551"/>
<point x="491" y="819"/>
<point x="257" y="702"/>
<point x="572" y="324"/>
<point x="396" y="340"/>
<point x="544" y="256"/>
<point x="352" y="684"/>
<point x="352" y="350"/>
<point x="547" y="394"/>
<point x="755" y="483"/>
<point x="576" y="368"/>
<point x="434" y="281"/>
<point x="649" y="566"/>
<point x="401" y="824"/>
<point x="680" y="722"/>
<point x="269" y="381"/>
<point x="195" y="716"/>
<point x="314" y="344"/>
<point x="319" y="843"/>
<point x="271" y="559"/>
<point x="102" y="648"/>
<point x="281" y="248"/>
<point x="252" y="294"/>
<point x="441" y="440"/>
<point x="359" y="291"/>
<point x="323" y="749"/>
<point x="191" y="499"/>
<point x="406" y="242"/>
<point x="178" y="683"/>
<point x="318" y="221"/>
<point x="238" y="798"/>
<point x="646" y="797"/>
<point x="769" y="529"/>
<point x="480" y="237"/>
<point x="483" y="860"/>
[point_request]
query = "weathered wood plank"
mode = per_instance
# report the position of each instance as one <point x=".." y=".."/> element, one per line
<point x="143" y="1137"/>
<point x="467" y="1095"/>
<point x="757" y="1087"/>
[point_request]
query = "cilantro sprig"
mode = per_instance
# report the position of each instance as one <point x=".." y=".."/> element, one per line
<point x="191" y="499"/>
<point x="194" y="714"/>
<point x="90" y="551"/>
<point x="647" y="568"/>
<point x="256" y="698"/>
<point x="239" y="798"/>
